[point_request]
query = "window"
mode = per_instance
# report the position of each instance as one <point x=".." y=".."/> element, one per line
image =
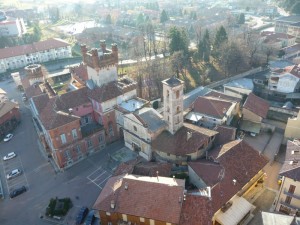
<point x="67" y="155"/>
<point x="63" y="138"/>
<point x="168" y="93"/>
<point x="178" y="109"/>
<point x="292" y="189"/>
<point x="89" y="143"/>
<point x="74" y="134"/>
<point x="288" y="199"/>
<point x="177" y="94"/>
<point x="142" y="219"/>
<point x="100" y="138"/>
<point x="78" y="149"/>
<point x="110" y="129"/>
<point x="135" y="129"/>
<point x="152" y="222"/>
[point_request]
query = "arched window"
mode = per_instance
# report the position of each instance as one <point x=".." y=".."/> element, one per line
<point x="178" y="109"/>
<point x="177" y="94"/>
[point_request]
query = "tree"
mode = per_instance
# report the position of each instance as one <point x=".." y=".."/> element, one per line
<point x="296" y="8"/>
<point x="231" y="58"/>
<point x="204" y="47"/>
<point x="164" y="16"/>
<point x="140" y="20"/>
<point x="204" y="78"/>
<point x="179" y="40"/>
<point x="281" y="53"/>
<point x="54" y="14"/>
<point x="178" y="62"/>
<point x="37" y="33"/>
<point x="241" y="18"/>
<point x="220" y="39"/>
<point x="108" y="19"/>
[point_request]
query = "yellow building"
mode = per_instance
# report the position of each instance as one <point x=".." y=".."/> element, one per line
<point x="292" y="130"/>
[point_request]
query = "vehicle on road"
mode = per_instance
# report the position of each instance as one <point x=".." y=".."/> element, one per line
<point x="17" y="192"/>
<point x="9" y="156"/>
<point x="13" y="173"/>
<point x="8" y="137"/>
<point x="90" y="218"/>
<point x="81" y="215"/>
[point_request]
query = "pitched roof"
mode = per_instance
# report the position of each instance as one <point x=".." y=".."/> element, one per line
<point x="196" y="210"/>
<point x="105" y="92"/>
<point x="50" y="116"/>
<point x="202" y="167"/>
<point x="173" y="81"/>
<point x="178" y="144"/>
<point x="32" y="48"/>
<point x="150" y="118"/>
<point x="222" y="96"/>
<point x="33" y="90"/>
<point x="257" y="105"/>
<point x="225" y="134"/>
<point x="151" y="169"/>
<point x="155" y="198"/>
<point x="211" y="106"/>
<point x="6" y="107"/>
<point x="291" y="165"/>
<point x="234" y="158"/>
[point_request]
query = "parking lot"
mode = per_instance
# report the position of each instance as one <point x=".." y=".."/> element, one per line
<point x="15" y="182"/>
<point x="99" y="177"/>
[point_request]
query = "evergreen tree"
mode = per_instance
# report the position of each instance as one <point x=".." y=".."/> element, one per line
<point x="204" y="47"/>
<point x="140" y="19"/>
<point x="241" y="18"/>
<point x="220" y="39"/>
<point x="108" y="19"/>
<point x="179" y="40"/>
<point x="164" y="16"/>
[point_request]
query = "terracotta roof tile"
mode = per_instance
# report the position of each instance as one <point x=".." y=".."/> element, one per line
<point x="225" y="134"/>
<point x="33" y="90"/>
<point x="178" y="144"/>
<point x="196" y="210"/>
<point x="32" y="48"/>
<point x="257" y="105"/>
<point x="234" y="158"/>
<point x="6" y="107"/>
<point x="151" y="169"/>
<point x="105" y="92"/>
<point x="211" y="106"/>
<point x="161" y="196"/>
<point x="291" y="165"/>
<point x="222" y="96"/>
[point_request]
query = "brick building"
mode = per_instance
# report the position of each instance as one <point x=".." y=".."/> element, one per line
<point x="9" y="116"/>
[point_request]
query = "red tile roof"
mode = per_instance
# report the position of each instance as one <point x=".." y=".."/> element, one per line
<point x="178" y="144"/>
<point x="225" y="134"/>
<point x="196" y="210"/>
<point x="291" y="165"/>
<point x="241" y="162"/>
<point x="153" y="198"/>
<point x="105" y="92"/>
<point x="222" y="96"/>
<point x="80" y="71"/>
<point x="32" y="48"/>
<point x="151" y="169"/>
<point x="257" y="105"/>
<point x="208" y="171"/>
<point x="211" y="106"/>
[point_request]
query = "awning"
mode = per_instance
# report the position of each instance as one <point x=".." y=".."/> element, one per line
<point x="193" y="116"/>
<point x="250" y="126"/>
<point x="239" y="208"/>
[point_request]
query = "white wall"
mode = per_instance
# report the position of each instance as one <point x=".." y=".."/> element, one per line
<point x="104" y="75"/>
<point x="286" y="84"/>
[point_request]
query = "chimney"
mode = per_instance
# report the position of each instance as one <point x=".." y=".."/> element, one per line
<point x="95" y="59"/>
<point x="84" y="50"/>
<point x="70" y="111"/>
<point x="103" y="45"/>
<point x="112" y="204"/>
<point x="188" y="135"/>
<point x="224" y="110"/>
<point x="157" y="175"/>
<point x="234" y="181"/>
<point x="126" y="186"/>
<point x="114" y="50"/>
<point x="179" y="199"/>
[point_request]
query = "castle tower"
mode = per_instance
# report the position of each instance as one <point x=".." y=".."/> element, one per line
<point x="34" y="73"/>
<point x="173" y="103"/>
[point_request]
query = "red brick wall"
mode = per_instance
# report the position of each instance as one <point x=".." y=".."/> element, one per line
<point x="8" y="116"/>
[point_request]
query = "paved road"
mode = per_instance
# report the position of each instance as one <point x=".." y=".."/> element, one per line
<point x="40" y="178"/>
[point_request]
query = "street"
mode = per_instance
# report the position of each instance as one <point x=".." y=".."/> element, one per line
<point x="82" y="183"/>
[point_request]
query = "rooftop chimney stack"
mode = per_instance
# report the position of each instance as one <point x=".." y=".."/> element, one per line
<point x="189" y="135"/>
<point x="112" y="204"/>
<point x="179" y="199"/>
<point x="126" y="186"/>
<point x="157" y="175"/>
<point x="234" y="181"/>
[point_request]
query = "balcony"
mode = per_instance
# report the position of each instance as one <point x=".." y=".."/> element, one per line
<point x="289" y="205"/>
<point x="90" y="128"/>
<point x="293" y="195"/>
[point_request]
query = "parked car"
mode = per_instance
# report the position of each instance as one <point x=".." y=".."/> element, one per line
<point x="81" y="215"/>
<point x="8" y="137"/>
<point x="13" y="173"/>
<point x="90" y="218"/>
<point x="10" y="155"/>
<point x="17" y="192"/>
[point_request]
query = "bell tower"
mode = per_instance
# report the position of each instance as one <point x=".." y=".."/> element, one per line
<point x="173" y="103"/>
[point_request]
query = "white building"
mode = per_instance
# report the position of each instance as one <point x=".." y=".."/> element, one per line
<point x="43" y="51"/>
<point x="12" y="27"/>
<point x="285" y="80"/>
